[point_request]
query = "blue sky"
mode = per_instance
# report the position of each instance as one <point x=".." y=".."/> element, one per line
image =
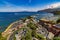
<point x="24" y="5"/>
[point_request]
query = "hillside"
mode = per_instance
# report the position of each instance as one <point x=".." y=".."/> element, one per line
<point x="55" y="11"/>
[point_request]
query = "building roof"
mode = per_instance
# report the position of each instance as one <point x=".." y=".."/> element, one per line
<point x="53" y="18"/>
<point x="57" y="25"/>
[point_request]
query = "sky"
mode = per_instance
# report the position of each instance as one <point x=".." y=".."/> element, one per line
<point x="27" y="5"/>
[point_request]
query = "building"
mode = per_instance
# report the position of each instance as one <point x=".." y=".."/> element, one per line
<point x="57" y="28"/>
<point x="51" y="27"/>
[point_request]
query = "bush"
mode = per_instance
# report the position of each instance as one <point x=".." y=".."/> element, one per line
<point x="56" y="38"/>
<point x="2" y="38"/>
<point x="32" y="26"/>
<point x="40" y="37"/>
<point x="27" y="35"/>
<point x="58" y="21"/>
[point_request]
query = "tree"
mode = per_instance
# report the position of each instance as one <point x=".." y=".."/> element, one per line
<point x="27" y="36"/>
<point x="58" y="21"/>
<point x="32" y="26"/>
<point x="56" y="38"/>
<point x="2" y="38"/>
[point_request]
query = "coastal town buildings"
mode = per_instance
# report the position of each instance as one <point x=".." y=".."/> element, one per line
<point x="51" y="27"/>
<point x="44" y="27"/>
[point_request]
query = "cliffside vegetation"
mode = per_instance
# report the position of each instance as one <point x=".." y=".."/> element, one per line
<point x="2" y="38"/>
<point x="58" y="21"/>
<point x="56" y="12"/>
<point x="56" y="38"/>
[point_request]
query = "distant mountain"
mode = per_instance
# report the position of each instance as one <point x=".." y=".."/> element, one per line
<point x="55" y="11"/>
<point x="50" y="10"/>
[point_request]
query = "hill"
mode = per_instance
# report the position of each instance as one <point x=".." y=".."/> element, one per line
<point x="55" y="11"/>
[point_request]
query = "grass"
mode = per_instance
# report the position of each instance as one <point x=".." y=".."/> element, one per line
<point x="56" y="38"/>
<point x="2" y="38"/>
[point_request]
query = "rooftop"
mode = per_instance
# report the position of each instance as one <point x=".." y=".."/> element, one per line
<point x="57" y="26"/>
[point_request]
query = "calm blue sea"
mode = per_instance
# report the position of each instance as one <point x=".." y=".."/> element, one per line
<point x="6" y="18"/>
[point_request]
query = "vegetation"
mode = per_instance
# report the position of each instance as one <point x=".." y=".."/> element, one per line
<point x="32" y="26"/>
<point x="40" y="37"/>
<point x="29" y="17"/>
<point x="56" y="13"/>
<point x="2" y="38"/>
<point x="56" y="38"/>
<point x="58" y="21"/>
<point x="31" y="32"/>
<point x="24" y="19"/>
<point x="14" y="37"/>
<point x="27" y="35"/>
<point x="34" y="34"/>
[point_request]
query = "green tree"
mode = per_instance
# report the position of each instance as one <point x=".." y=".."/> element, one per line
<point x="32" y="26"/>
<point x="56" y="38"/>
<point x="2" y="38"/>
<point x="58" y="21"/>
<point x="27" y="34"/>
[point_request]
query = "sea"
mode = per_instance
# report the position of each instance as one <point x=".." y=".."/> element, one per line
<point x="6" y="18"/>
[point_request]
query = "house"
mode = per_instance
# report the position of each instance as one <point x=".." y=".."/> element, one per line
<point x="51" y="27"/>
<point x="57" y="28"/>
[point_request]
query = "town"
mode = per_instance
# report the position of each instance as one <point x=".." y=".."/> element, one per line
<point x="31" y="29"/>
